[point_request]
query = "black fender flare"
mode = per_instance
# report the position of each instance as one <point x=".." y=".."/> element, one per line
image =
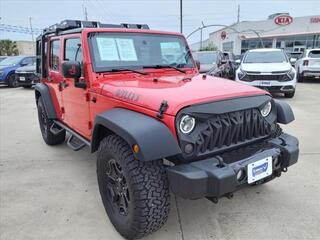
<point x="42" y="90"/>
<point x="284" y="112"/>
<point x="154" y="138"/>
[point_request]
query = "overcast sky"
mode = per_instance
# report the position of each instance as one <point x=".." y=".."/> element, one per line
<point x="158" y="14"/>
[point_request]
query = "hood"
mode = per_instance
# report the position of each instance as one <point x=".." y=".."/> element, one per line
<point x="266" y="67"/>
<point x="31" y="68"/>
<point x="179" y="91"/>
<point x="8" y="67"/>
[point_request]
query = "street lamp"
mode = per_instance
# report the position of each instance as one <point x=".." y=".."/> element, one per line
<point x="225" y="26"/>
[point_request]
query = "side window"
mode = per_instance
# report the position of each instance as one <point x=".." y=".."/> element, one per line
<point x="73" y="50"/>
<point x="27" y="61"/>
<point x="54" y="55"/>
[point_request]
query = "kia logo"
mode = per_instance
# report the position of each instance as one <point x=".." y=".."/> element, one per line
<point x="223" y="35"/>
<point x="283" y="20"/>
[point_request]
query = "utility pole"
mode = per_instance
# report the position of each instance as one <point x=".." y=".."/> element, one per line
<point x="85" y="14"/>
<point x="181" y="29"/>
<point x="30" y="22"/>
<point x="238" y="17"/>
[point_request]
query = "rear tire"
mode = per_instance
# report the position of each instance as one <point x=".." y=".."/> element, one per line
<point x="299" y="77"/>
<point x="45" y="124"/>
<point x="135" y="194"/>
<point x="12" y="82"/>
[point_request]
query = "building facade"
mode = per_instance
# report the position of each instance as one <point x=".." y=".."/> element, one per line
<point x="26" y="47"/>
<point x="278" y="31"/>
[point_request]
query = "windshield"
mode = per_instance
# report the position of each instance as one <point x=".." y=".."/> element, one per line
<point x="136" y="50"/>
<point x="206" y="58"/>
<point x="265" y="57"/>
<point x="314" y="54"/>
<point x="11" y="61"/>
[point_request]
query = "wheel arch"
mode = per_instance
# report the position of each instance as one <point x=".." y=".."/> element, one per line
<point x="42" y="90"/>
<point x="154" y="139"/>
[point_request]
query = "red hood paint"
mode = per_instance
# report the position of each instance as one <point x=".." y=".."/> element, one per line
<point x="179" y="90"/>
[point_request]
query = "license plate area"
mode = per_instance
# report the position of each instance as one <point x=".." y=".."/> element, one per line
<point x="259" y="169"/>
<point x="265" y="83"/>
<point x="22" y="78"/>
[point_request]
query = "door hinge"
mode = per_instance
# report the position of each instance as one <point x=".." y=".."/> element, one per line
<point x="90" y="125"/>
<point x="62" y="110"/>
<point x="87" y="97"/>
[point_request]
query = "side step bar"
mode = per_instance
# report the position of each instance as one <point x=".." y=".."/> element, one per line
<point x="75" y="141"/>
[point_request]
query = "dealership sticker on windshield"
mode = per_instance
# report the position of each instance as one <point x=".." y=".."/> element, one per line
<point x="259" y="169"/>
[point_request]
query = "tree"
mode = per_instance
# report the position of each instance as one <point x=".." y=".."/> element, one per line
<point x="209" y="47"/>
<point x="8" y="48"/>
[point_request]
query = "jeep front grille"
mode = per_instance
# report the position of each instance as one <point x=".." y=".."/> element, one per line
<point x="231" y="129"/>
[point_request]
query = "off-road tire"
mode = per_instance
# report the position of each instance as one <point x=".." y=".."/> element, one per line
<point x="12" y="82"/>
<point x="289" y="95"/>
<point x="45" y="124"/>
<point x="147" y="186"/>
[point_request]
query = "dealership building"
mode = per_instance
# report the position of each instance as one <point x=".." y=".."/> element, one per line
<point x="279" y="31"/>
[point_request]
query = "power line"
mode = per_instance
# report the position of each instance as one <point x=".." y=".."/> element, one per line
<point x="19" y="29"/>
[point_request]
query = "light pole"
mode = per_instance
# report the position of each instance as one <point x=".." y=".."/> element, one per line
<point x="181" y="28"/>
<point x="225" y="26"/>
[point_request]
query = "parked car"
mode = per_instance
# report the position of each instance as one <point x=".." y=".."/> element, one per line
<point x="2" y="58"/>
<point x="26" y="76"/>
<point x="308" y="66"/>
<point x="158" y="127"/>
<point x="294" y="56"/>
<point x="213" y="63"/>
<point x="269" y="69"/>
<point x="9" y="65"/>
<point x="231" y="58"/>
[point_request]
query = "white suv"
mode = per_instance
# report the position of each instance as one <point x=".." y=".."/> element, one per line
<point x="308" y="66"/>
<point x="269" y="69"/>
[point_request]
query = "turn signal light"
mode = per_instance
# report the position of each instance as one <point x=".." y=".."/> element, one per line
<point x="305" y="62"/>
<point x="135" y="148"/>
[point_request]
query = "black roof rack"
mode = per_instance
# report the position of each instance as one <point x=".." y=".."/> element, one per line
<point x="79" y="25"/>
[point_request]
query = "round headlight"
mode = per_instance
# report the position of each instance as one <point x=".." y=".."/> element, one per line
<point x="187" y="124"/>
<point x="266" y="109"/>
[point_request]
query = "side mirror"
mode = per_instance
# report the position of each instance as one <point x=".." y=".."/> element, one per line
<point x="72" y="69"/>
<point x="198" y="64"/>
<point x="238" y="61"/>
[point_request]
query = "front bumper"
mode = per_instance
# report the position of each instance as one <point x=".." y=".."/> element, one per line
<point x="215" y="177"/>
<point x="307" y="73"/>
<point x="26" y="79"/>
<point x="273" y="86"/>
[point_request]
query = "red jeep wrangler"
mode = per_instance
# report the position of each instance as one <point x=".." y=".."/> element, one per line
<point x="136" y="97"/>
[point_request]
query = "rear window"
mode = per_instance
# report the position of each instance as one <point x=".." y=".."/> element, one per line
<point x="265" y="57"/>
<point x="314" y="54"/>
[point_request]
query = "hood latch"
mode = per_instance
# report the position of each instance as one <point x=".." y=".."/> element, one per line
<point x="163" y="107"/>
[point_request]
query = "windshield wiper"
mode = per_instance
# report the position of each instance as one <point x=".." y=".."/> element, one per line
<point x="127" y="69"/>
<point x="166" y="66"/>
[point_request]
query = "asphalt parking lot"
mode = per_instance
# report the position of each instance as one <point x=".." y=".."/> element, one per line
<point x="52" y="192"/>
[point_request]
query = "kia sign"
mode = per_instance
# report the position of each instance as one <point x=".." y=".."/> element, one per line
<point x="283" y="20"/>
<point x="315" y="20"/>
<point x="223" y="35"/>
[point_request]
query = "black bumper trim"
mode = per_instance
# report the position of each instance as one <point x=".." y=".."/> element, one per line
<point x="206" y="178"/>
